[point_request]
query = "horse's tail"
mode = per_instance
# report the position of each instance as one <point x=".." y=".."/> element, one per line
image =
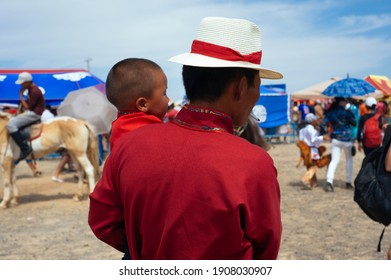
<point x="93" y="150"/>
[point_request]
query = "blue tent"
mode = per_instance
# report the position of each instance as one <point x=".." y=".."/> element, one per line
<point x="273" y="106"/>
<point x="55" y="84"/>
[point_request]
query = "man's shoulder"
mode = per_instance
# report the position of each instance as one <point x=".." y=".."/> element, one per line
<point x="35" y="88"/>
<point x="142" y="132"/>
<point x="249" y="150"/>
<point x="367" y="116"/>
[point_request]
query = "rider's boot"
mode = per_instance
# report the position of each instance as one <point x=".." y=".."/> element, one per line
<point x="25" y="148"/>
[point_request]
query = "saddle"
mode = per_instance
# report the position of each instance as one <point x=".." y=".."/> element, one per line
<point x="32" y="131"/>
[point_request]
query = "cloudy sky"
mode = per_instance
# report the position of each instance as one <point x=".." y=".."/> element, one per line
<point x="308" y="41"/>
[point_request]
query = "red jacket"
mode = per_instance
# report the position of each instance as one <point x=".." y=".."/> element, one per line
<point x="188" y="190"/>
<point x="129" y="122"/>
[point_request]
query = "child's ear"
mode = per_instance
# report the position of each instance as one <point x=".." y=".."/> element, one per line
<point x="142" y="104"/>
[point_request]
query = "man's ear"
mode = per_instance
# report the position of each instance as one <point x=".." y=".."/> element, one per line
<point x="241" y="88"/>
<point x="142" y="104"/>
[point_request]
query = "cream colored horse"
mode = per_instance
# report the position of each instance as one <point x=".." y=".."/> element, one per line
<point x="76" y="136"/>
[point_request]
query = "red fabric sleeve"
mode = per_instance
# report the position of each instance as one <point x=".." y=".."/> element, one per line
<point x="263" y="226"/>
<point x="105" y="216"/>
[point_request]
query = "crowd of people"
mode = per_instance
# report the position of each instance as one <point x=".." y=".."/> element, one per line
<point x="346" y="122"/>
<point x="351" y="125"/>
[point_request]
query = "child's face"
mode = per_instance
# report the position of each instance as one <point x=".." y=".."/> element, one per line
<point x="158" y="103"/>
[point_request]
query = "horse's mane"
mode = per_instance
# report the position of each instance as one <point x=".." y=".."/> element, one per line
<point x="5" y="115"/>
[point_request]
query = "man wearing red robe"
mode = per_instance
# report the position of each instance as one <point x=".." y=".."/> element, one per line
<point x="191" y="189"/>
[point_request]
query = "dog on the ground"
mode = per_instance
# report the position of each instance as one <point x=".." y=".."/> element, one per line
<point x="305" y="154"/>
<point x="306" y="159"/>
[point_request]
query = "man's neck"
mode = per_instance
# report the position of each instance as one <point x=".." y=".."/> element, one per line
<point x="218" y="105"/>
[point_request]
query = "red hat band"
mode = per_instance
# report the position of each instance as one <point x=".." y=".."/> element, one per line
<point x="212" y="50"/>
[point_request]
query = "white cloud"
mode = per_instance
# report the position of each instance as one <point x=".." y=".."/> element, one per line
<point x="359" y="24"/>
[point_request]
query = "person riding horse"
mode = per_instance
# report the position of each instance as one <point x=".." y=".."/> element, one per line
<point x="77" y="137"/>
<point x="34" y="108"/>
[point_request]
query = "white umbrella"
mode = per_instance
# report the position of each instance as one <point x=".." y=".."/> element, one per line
<point x="376" y="94"/>
<point x="89" y="104"/>
<point x="315" y="91"/>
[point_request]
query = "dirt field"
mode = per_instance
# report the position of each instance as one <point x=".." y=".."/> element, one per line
<point x="49" y="225"/>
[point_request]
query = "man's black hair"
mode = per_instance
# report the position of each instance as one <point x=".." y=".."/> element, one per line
<point x="203" y="83"/>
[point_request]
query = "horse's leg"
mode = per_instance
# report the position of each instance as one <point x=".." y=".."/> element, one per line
<point x="6" y="194"/>
<point x="7" y="181"/>
<point x="89" y="171"/>
<point x="15" y="190"/>
<point x="79" y="194"/>
<point x="85" y="168"/>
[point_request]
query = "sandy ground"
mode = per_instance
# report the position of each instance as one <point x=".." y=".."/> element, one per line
<point x="49" y="225"/>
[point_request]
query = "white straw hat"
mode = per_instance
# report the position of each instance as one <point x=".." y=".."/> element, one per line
<point x="24" y="77"/>
<point x="227" y="42"/>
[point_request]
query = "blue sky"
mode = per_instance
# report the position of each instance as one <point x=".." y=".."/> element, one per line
<point x="308" y="41"/>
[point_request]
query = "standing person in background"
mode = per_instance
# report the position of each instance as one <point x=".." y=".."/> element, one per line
<point x="382" y="109"/>
<point x="341" y="121"/>
<point x="47" y="113"/>
<point x="33" y="168"/>
<point x="319" y="112"/>
<point x="362" y="108"/>
<point x="387" y="167"/>
<point x="311" y="106"/>
<point x="352" y="106"/>
<point x="191" y="189"/>
<point x="295" y="117"/>
<point x="66" y="158"/>
<point x="303" y="111"/>
<point x="388" y="155"/>
<point x="369" y="134"/>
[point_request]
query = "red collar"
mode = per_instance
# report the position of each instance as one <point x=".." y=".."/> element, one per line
<point x="204" y="119"/>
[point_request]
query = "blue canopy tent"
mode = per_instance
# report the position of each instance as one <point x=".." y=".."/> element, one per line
<point x="273" y="108"/>
<point x="273" y="105"/>
<point x="55" y="84"/>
